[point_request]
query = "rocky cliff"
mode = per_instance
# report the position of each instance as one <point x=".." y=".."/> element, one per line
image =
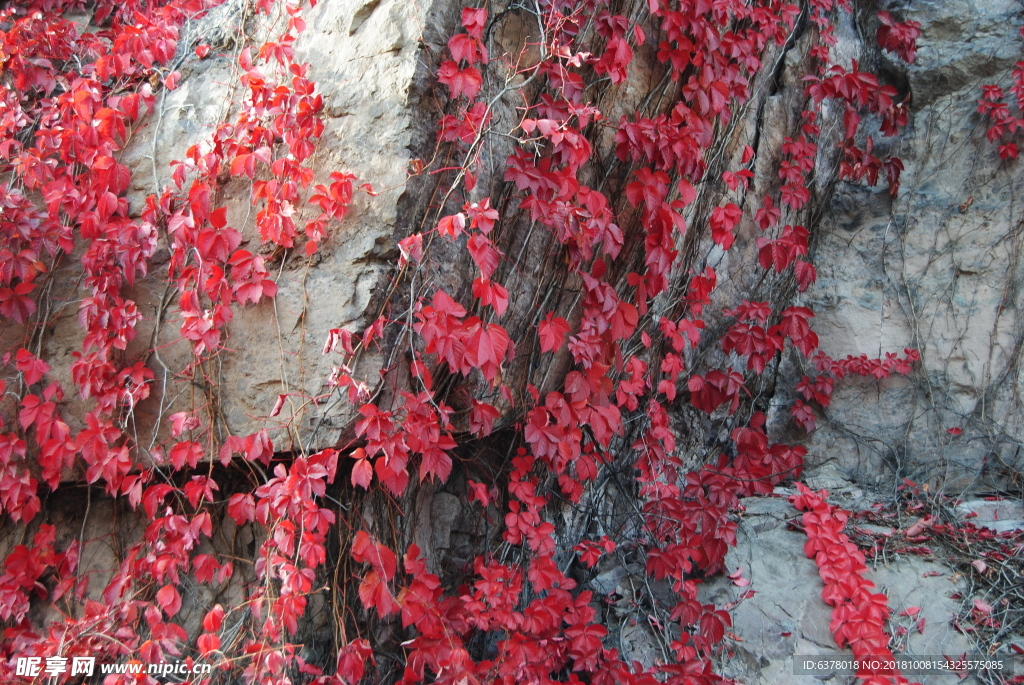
<point x="929" y="263"/>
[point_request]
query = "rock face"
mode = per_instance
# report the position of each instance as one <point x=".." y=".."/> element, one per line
<point x="363" y="56"/>
<point x="938" y="268"/>
<point x="786" y="618"/>
<point x="999" y="515"/>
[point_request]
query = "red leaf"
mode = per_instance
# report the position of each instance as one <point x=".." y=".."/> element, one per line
<point x="487" y="346"/>
<point x="186" y="452"/>
<point x="15" y="303"/>
<point x="478" y="492"/>
<point x="366" y="550"/>
<point x="482" y="215"/>
<point x="375" y="594"/>
<point x="213" y="619"/>
<point x="154" y="496"/>
<point x="804" y="415"/>
<point x="481" y="418"/>
<point x="171" y="80"/>
<point x="465" y="81"/>
<point x="590" y="553"/>
<point x="182" y="422"/>
<point x="474" y="19"/>
<point x="723" y="220"/>
<point x="484" y="254"/>
<point x="410" y="249"/>
<point x="553" y="330"/>
<point x="452" y="226"/>
<point x="242" y="508"/>
<point x="30" y="366"/>
<point x="169" y="599"/>
<point x="806" y="275"/>
<point x="920" y="526"/>
<point x="468" y="48"/>
<point x="352" y="660"/>
<point x="208" y="643"/>
<point x="200" y="488"/>
<point x="687" y="192"/>
<point x="435" y="462"/>
<point x="737" y="578"/>
<point x="490" y="293"/>
<point x="649" y="189"/>
<point x="898" y="37"/>
<point x="362" y="473"/>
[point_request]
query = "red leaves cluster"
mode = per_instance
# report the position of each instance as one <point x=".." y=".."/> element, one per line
<point x="25" y="565"/>
<point x="898" y="37"/>
<point x="690" y="525"/>
<point x="373" y="590"/>
<point x="418" y="426"/>
<point x="750" y="338"/>
<point x="1003" y="123"/>
<point x="617" y="55"/>
<point x="297" y="526"/>
<point x="465" y="343"/>
<point x="568" y="429"/>
<point x="863" y="366"/>
<point x="723" y="221"/>
<point x="861" y="91"/>
<point x="462" y="77"/>
<point x="714" y="389"/>
<point x="552" y="331"/>
<point x="554" y="630"/>
<point x="554" y="429"/>
<point x="486" y="256"/>
<point x="780" y="254"/>
<point x="546" y="627"/>
<point x="819" y="389"/>
<point x="68" y="105"/>
<point x="465" y="81"/>
<point x="859" y="615"/>
<point x="70" y="102"/>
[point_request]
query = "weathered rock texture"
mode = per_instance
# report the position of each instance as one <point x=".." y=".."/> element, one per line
<point x="937" y="268"/>
<point x="786" y="618"/>
<point x="363" y="56"/>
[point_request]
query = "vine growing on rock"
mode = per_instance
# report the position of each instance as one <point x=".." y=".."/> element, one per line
<point x="999" y="112"/>
<point x="859" y="615"/>
<point x="644" y="335"/>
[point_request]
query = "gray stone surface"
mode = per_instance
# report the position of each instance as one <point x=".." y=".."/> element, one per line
<point x="1000" y="515"/>
<point x="937" y="268"/>
<point x="786" y="616"/>
<point x="363" y="57"/>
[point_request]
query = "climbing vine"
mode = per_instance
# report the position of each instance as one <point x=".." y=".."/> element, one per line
<point x="644" y="337"/>
<point x="859" y="615"/>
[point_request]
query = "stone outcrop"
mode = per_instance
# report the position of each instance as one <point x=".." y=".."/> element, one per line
<point x="785" y="617"/>
<point x="937" y="268"/>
